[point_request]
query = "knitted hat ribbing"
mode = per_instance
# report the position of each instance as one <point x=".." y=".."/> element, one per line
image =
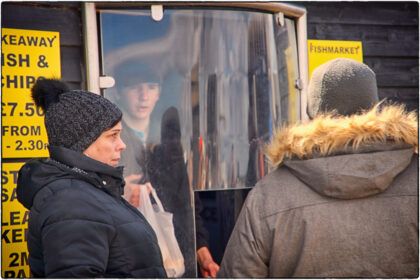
<point x="73" y="119"/>
<point x="344" y="85"/>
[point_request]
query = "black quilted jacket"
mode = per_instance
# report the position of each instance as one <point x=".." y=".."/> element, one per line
<point x="79" y="225"/>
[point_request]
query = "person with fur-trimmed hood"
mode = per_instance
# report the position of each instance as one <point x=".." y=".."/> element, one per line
<point x="343" y="199"/>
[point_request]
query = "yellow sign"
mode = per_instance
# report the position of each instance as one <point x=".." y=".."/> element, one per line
<point x="26" y="55"/>
<point x="293" y="106"/>
<point x="14" y="226"/>
<point x="321" y="51"/>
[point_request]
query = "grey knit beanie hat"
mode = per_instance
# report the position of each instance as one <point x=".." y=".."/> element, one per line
<point x="344" y="85"/>
<point x="73" y="119"/>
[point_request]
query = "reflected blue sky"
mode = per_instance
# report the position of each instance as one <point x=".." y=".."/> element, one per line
<point x="123" y="29"/>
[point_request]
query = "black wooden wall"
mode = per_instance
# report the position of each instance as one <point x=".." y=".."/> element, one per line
<point x="64" y="17"/>
<point x="389" y="33"/>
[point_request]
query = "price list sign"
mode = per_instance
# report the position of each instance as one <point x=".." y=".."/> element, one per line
<point x="14" y="226"/>
<point x="26" y="56"/>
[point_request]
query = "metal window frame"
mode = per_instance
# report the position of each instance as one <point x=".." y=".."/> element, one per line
<point x="95" y="82"/>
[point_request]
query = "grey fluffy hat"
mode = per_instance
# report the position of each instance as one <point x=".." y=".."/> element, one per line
<point x="344" y="85"/>
<point x="73" y="119"/>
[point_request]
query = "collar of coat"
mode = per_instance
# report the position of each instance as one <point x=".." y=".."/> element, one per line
<point x="103" y="176"/>
<point x="327" y="134"/>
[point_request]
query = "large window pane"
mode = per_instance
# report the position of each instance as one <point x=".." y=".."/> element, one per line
<point x="229" y="74"/>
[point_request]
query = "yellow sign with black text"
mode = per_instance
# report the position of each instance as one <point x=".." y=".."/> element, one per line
<point x="321" y="51"/>
<point x="26" y="55"/>
<point x="14" y="226"/>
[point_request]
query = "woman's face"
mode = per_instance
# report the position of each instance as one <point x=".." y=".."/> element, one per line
<point x="139" y="101"/>
<point x="107" y="147"/>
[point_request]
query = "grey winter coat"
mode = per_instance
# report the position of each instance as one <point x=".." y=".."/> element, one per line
<point x="331" y="209"/>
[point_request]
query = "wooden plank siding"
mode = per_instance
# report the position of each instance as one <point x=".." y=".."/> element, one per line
<point x="389" y="33"/>
<point x="49" y="16"/>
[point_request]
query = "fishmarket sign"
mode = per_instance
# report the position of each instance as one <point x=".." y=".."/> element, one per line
<point x="321" y="51"/>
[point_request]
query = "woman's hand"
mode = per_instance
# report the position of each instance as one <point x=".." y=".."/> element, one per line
<point x="207" y="265"/>
<point x="132" y="189"/>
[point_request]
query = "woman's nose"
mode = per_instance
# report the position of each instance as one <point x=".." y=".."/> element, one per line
<point x="122" y="145"/>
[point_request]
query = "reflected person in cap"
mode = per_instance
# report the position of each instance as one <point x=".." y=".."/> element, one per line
<point x="138" y="91"/>
<point x="139" y="88"/>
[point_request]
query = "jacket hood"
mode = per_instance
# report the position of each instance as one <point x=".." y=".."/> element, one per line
<point x="348" y="157"/>
<point x="33" y="176"/>
<point x="66" y="164"/>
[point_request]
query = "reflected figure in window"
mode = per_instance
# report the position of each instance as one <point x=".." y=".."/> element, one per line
<point x="138" y="92"/>
<point x="168" y="175"/>
<point x="139" y="89"/>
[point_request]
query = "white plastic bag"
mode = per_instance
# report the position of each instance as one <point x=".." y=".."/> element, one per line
<point x="161" y="222"/>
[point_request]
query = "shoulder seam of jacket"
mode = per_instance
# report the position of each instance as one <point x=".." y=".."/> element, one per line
<point x="333" y="201"/>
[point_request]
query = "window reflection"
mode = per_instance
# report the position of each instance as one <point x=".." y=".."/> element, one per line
<point x="228" y="74"/>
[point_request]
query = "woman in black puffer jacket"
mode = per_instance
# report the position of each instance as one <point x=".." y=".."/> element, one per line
<point x="79" y="224"/>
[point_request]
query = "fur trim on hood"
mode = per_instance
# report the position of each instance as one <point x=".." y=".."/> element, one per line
<point x="329" y="133"/>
